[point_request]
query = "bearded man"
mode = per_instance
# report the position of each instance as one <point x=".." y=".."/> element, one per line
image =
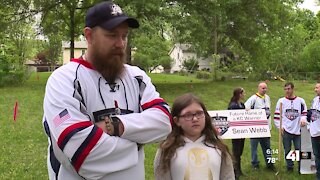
<point x="99" y="111"/>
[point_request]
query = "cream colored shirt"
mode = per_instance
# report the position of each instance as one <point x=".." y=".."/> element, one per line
<point x="196" y="161"/>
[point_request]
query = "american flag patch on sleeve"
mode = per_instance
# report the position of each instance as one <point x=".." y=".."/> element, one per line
<point x="60" y="118"/>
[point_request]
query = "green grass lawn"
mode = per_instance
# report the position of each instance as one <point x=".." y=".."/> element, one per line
<point x="23" y="143"/>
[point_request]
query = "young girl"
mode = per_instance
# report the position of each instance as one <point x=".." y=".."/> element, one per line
<point x="237" y="144"/>
<point x="192" y="150"/>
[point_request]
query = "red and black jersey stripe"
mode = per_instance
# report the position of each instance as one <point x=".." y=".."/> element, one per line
<point x="66" y="135"/>
<point x="87" y="145"/>
<point x="160" y="104"/>
<point x="85" y="148"/>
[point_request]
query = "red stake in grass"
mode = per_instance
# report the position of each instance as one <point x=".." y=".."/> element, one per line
<point x="15" y="111"/>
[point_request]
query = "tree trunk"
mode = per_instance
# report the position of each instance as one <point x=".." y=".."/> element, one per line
<point x="215" y="47"/>
<point x="128" y="51"/>
<point x="72" y="27"/>
<point x="215" y="36"/>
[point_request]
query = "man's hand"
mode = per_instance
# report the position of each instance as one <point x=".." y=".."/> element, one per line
<point x="106" y="126"/>
<point x="282" y="131"/>
<point x="102" y="125"/>
<point x="303" y="122"/>
<point x="109" y="126"/>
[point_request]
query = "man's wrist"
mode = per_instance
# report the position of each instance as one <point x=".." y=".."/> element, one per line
<point x="116" y="123"/>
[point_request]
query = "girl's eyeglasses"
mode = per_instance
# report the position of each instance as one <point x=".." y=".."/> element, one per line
<point x="190" y="116"/>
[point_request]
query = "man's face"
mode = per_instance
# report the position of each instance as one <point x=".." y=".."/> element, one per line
<point x="288" y="91"/>
<point x="108" y="50"/>
<point x="317" y="89"/>
<point x="262" y="88"/>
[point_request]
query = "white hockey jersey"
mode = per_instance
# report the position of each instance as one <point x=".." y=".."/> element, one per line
<point x="257" y="101"/>
<point x="293" y="111"/>
<point x="315" y="117"/>
<point x="76" y="97"/>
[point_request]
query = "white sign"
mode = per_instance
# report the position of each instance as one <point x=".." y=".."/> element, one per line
<point x="235" y="124"/>
<point x="307" y="158"/>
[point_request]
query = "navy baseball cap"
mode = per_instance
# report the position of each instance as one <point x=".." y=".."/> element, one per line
<point x="108" y="16"/>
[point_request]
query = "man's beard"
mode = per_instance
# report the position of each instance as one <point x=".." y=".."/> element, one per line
<point x="109" y="65"/>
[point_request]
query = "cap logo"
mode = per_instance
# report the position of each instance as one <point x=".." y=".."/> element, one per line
<point x="115" y="10"/>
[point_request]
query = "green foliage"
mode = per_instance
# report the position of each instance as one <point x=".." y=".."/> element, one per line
<point x="5" y="63"/>
<point x="53" y="49"/>
<point x="22" y="37"/>
<point x="63" y="19"/>
<point x="311" y="56"/>
<point x="265" y="35"/>
<point x="174" y="78"/>
<point x="12" y="78"/>
<point x="281" y="52"/>
<point x="203" y="75"/>
<point x="190" y="65"/>
<point x="152" y="51"/>
<point x="16" y="45"/>
<point x="151" y="40"/>
<point x="211" y="25"/>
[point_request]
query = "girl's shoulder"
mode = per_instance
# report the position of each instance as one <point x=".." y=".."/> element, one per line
<point x="235" y="105"/>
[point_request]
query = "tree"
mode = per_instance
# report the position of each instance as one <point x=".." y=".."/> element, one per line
<point x="311" y="55"/>
<point x="151" y="51"/>
<point x="63" y="17"/>
<point x="151" y="39"/>
<point x="280" y="52"/>
<point x="256" y="31"/>
<point x="16" y="35"/>
<point x="213" y="25"/>
<point x="22" y="37"/>
<point x="190" y="64"/>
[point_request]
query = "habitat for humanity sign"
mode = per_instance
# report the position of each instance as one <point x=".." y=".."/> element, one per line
<point x="235" y="124"/>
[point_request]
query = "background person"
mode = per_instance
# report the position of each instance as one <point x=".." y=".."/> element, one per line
<point x="98" y="110"/>
<point x="260" y="100"/>
<point x="192" y="150"/>
<point x="294" y="114"/>
<point x="237" y="144"/>
<point x="314" y="120"/>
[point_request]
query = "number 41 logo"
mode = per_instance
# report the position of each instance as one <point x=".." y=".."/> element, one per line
<point x="294" y="155"/>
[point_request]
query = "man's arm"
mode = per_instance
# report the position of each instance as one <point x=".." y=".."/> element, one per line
<point x="153" y="124"/>
<point x="304" y="112"/>
<point x="82" y="142"/>
<point x="276" y="117"/>
<point x="248" y="104"/>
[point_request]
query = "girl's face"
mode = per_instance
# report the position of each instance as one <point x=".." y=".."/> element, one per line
<point x="242" y="95"/>
<point x="192" y="121"/>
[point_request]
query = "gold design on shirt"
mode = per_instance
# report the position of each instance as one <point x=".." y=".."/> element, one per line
<point x="198" y="165"/>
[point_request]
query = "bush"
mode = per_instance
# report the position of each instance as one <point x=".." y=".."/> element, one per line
<point x="12" y="78"/>
<point x="203" y="75"/>
<point x="190" y="65"/>
<point x="183" y="73"/>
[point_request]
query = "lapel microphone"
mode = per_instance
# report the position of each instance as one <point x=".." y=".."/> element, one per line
<point x="113" y="87"/>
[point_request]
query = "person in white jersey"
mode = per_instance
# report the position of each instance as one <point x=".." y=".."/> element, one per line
<point x="260" y="100"/>
<point x="193" y="149"/>
<point x="294" y="115"/>
<point x="99" y="111"/>
<point x="314" y="127"/>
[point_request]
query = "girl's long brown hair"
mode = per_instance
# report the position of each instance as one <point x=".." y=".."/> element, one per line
<point x="175" y="139"/>
<point x="236" y="95"/>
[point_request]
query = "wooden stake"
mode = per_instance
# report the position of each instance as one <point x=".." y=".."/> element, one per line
<point x="280" y="142"/>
